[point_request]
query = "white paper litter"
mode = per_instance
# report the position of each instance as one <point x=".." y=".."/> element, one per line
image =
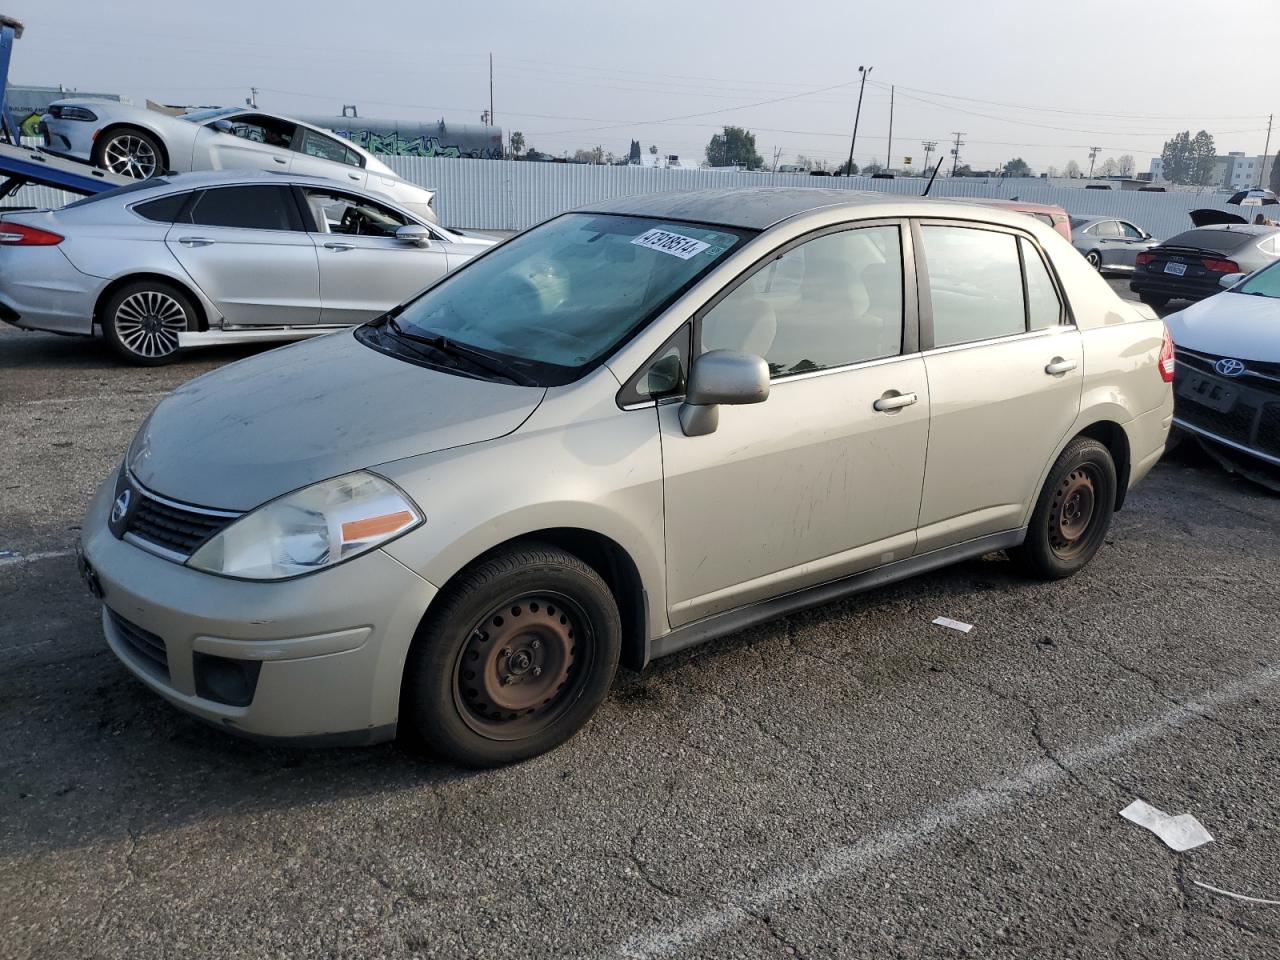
<point x="1183" y="832"/>
<point x="954" y="624"/>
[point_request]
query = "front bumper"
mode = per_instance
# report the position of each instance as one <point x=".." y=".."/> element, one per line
<point x="331" y="646"/>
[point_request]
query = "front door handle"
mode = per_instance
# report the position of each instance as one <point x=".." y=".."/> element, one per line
<point x="339" y="246"/>
<point x="354" y="176"/>
<point x="279" y="159"/>
<point x="894" y="401"/>
<point x="1058" y="366"/>
<point x="195" y="241"/>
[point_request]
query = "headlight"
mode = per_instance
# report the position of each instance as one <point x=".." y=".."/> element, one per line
<point x="310" y="529"/>
<point x="74" y="113"/>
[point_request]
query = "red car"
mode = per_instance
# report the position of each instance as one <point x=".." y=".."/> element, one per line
<point x="1046" y="213"/>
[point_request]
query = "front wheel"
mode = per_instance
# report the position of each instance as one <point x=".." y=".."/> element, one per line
<point x="1073" y="512"/>
<point x="129" y="152"/>
<point x="142" y="321"/>
<point x="517" y="657"/>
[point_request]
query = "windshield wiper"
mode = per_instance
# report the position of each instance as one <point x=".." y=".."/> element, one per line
<point x="477" y="358"/>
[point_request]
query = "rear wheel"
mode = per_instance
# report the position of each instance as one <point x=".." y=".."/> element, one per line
<point x="1073" y="512"/>
<point x="519" y="654"/>
<point x="129" y="152"/>
<point x="1095" y="260"/>
<point x="142" y="321"/>
<point x="1153" y="300"/>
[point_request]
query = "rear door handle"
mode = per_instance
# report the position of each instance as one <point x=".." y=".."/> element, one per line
<point x="279" y="159"/>
<point x="195" y="241"/>
<point x="339" y="246"/>
<point x="1058" y="366"/>
<point x="887" y="403"/>
<point x="354" y="176"/>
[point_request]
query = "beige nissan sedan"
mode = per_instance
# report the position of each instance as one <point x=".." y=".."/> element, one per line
<point x="628" y="430"/>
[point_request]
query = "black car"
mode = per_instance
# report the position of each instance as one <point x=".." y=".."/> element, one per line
<point x="1191" y="265"/>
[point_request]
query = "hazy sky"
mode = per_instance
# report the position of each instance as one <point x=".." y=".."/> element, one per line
<point x="1043" y="81"/>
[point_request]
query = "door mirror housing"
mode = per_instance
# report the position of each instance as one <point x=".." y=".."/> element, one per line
<point x="414" y="233"/>
<point x="224" y="126"/>
<point x="1230" y="280"/>
<point x="721" y="376"/>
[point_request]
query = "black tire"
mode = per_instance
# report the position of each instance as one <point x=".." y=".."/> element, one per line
<point x="141" y="321"/>
<point x="504" y="634"/>
<point x="1073" y="512"/>
<point x="1154" y="300"/>
<point x="129" y="152"/>
<point x="1095" y="260"/>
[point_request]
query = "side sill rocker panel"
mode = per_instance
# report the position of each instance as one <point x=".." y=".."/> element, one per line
<point x="731" y="621"/>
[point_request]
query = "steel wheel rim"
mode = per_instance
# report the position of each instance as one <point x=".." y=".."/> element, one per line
<point x="523" y="666"/>
<point x="148" y="323"/>
<point x="129" y="156"/>
<point x="1072" y="511"/>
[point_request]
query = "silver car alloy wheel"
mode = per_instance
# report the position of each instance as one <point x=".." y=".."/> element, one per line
<point x="148" y="323"/>
<point x="129" y="156"/>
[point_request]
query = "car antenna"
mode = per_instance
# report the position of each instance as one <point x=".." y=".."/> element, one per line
<point x="929" y="186"/>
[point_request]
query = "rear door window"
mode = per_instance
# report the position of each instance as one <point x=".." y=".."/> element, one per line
<point x="975" y="284"/>
<point x="315" y="144"/>
<point x="1130" y="231"/>
<point x="1107" y="228"/>
<point x="251" y="207"/>
<point x="1044" y="308"/>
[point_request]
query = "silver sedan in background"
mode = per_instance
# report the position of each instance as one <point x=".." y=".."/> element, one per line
<point x="227" y="257"/>
<point x="1109" y="244"/>
<point x="140" y="143"/>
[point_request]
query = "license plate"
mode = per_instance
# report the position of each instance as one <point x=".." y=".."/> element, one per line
<point x="1211" y="393"/>
<point x="1177" y="269"/>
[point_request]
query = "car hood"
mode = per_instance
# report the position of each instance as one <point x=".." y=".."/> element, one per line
<point x="249" y="432"/>
<point x="1230" y="325"/>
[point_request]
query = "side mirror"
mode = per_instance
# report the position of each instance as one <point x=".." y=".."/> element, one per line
<point x="721" y="376"/>
<point x="414" y="233"/>
<point x="223" y="126"/>
<point x="1230" y="280"/>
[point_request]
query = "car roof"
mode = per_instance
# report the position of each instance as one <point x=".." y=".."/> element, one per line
<point x="1021" y="206"/>
<point x="758" y="208"/>
<point x="216" y="178"/>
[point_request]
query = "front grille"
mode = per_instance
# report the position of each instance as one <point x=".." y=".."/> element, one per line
<point x="1251" y="420"/>
<point x="149" y="649"/>
<point x="173" y="527"/>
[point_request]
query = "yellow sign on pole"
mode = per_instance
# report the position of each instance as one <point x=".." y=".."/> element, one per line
<point x="906" y="161"/>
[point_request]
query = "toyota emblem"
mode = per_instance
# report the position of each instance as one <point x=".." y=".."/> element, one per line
<point x="121" y="506"/>
<point x="1229" y="367"/>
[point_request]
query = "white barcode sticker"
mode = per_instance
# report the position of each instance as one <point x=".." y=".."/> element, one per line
<point x="673" y="243"/>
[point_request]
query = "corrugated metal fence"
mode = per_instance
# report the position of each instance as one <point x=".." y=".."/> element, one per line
<point x="508" y="195"/>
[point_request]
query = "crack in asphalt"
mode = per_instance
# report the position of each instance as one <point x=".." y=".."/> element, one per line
<point x="766" y="922"/>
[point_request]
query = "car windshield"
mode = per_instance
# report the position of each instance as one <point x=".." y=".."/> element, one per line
<point x="1078" y="222"/>
<point x="1264" y="283"/>
<point x="200" y="116"/>
<point x="1219" y="241"/>
<point x="557" y="300"/>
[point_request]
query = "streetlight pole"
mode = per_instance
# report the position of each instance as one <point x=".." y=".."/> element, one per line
<point x="865" y="71"/>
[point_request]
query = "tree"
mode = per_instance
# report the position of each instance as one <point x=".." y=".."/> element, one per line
<point x="595" y="155"/>
<point x="1071" y="170"/>
<point x="871" y="169"/>
<point x="963" y="170"/>
<point x="1126" y="166"/>
<point x="634" y="155"/>
<point x="803" y="162"/>
<point x="653" y="149"/>
<point x="1017" y="167"/>
<point x="847" y="170"/>
<point x="1203" y="155"/>
<point x="734" y="146"/>
<point x="517" y="144"/>
<point x="1051" y="172"/>
<point x="1109" y="167"/>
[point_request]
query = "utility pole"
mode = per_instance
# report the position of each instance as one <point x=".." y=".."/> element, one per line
<point x="1266" y="151"/>
<point x="866" y="72"/>
<point x="1093" y="155"/>
<point x="955" y="151"/>
<point x="777" y="153"/>
<point x="491" y="120"/>
<point x="929" y="147"/>
<point x="253" y="98"/>
<point x="888" y="160"/>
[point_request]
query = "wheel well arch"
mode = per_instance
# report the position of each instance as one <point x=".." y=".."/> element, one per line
<point x="606" y="557"/>
<point x="1112" y="436"/>
<point x="202" y="320"/>
<point x="125" y="125"/>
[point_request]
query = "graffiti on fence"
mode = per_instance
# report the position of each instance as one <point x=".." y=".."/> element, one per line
<point x="424" y="145"/>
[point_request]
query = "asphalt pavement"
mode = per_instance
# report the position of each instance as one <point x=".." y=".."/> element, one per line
<point x="852" y="781"/>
